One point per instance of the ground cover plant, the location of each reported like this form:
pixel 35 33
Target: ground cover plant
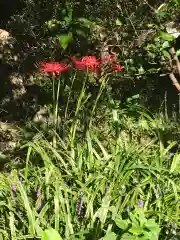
pixel 89 145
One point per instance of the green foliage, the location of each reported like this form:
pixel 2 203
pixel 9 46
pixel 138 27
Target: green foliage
pixel 108 153
pixel 138 227
pixel 166 36
pixel 65 39
pixel 50 234
pixel 112 171
pixel 70 26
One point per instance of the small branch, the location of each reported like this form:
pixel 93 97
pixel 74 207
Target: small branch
pixel 173 51
pixel 174 81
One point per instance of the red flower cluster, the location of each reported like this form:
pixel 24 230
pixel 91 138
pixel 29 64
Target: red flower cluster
pixel 90 63
pixel 117 68
pixel 112 61
pixel 109 59
pixel 54 67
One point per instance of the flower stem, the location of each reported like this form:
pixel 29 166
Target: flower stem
pixel 80 102
pixel 55 109
pixel 102 87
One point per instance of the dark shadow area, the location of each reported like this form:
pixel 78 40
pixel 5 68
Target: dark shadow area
pixel 34 43
pixel 7 9
pixel 155 92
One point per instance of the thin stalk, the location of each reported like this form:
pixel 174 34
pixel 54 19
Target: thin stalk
pixel 67 105
pixel 27 162
pixel 55 108
pixel 53 87
pixel 102 87
pixel 57 103
pixel 79 105
pixel 81 96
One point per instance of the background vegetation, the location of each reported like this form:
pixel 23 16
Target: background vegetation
pixel 107 165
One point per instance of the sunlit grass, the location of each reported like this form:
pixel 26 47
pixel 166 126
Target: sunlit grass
pixel 95 173
pixel 85 185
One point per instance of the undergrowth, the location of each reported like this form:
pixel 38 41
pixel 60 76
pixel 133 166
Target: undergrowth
pixel 83 185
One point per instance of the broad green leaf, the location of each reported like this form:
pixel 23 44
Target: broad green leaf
pixel 151 235
pixel 51 234
pixel 68 18
pixel 150 25
pixel 166 36
pixel 141 70
pixel 175 163
pixel 133 219
pixel 122 224
pixel 110 236
pixel 166 44
pixel 154 228
pixel 166 54
pixel 80 32
pixel 142 219
pixel 135 230
pixel 126 236
pixel 86 22
pixel 65 39
pixel 154 70
pixel 178 53
pixel 163 14
pixel 118 22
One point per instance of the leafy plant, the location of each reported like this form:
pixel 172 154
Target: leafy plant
pixel 69 26
pixel 50 234
pixel 138 226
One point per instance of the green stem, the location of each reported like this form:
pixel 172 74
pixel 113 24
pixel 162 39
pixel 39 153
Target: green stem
pixel 55 108
pixel 79 105
pixel 102 87
pixel 67 105
pixel 57 103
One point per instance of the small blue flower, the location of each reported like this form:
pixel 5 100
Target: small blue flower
pixel 40 205
pixel 14 187
pixel 40 200
pixel 38 193
pixel 140 203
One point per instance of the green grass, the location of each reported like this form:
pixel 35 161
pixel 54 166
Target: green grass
pixel 108 171
pixel 109 158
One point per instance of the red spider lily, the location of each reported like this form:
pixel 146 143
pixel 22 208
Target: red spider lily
pixel 54 67
pixel 117 68
pixel 90 63
pixel 112 60
pixel 109 59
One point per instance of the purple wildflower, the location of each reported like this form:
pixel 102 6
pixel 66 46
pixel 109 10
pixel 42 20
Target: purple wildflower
pixel 40 205
pixel 79 205
pixel 14 187
pixel 38 193
pixel 40 200
pixel 140 203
